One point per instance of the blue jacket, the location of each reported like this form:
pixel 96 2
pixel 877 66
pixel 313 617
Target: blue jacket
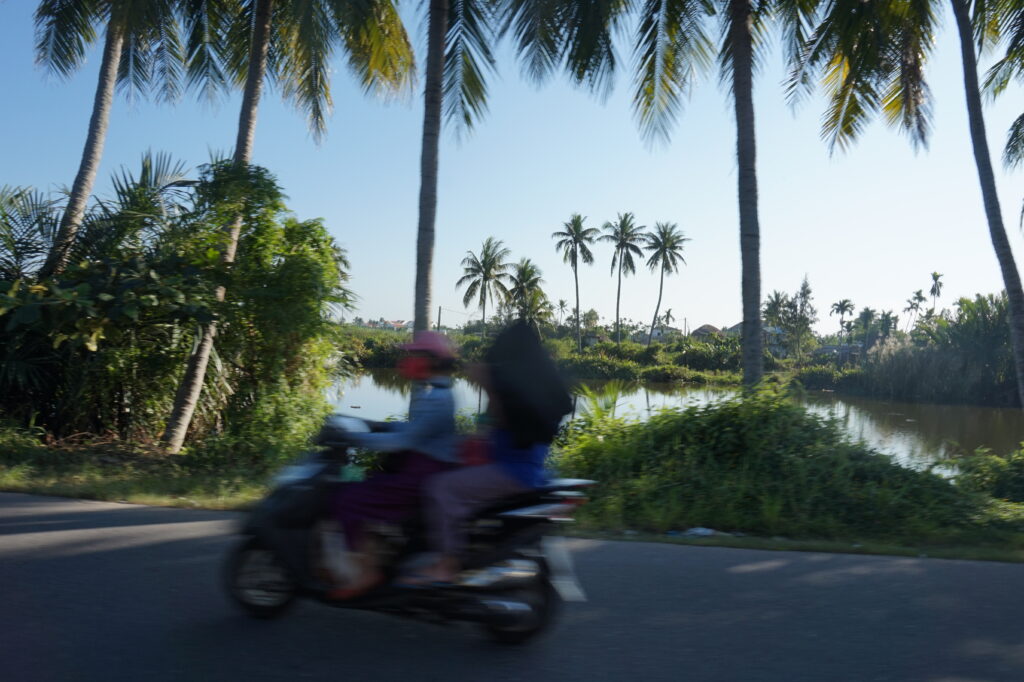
pixel 430 428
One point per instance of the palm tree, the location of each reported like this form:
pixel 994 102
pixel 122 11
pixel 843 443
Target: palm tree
pixel 523 281
pixel 626 237
pixel 936 289
pixel 485 276
pixel 913 307
pixel 459 39
pixel 775 308
pixel 535 309
pixel 293 43
pixel 874 59
pixel 842 308
pixel 866 318
pixel 141 50
pixel 562 306
pixel 574 242
pixel 887 322
pixel 848 328
pixel 666 320
pixel 665 245
pixel 672 46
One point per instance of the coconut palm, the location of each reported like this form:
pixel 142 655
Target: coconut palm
pixel 886 323
pixel 485 276
pixel 665 244
pixel 562 307
pixel 141 52
pixel 534 309
pixel 866 319
pixel 874 54
pixel 913 307
pixel 775 308
pixel 574 242
pixel 626 237
pixel 292 43
pixel 524 279
pixel 666 320
pixel 842 308
pixel 459 40
pixel 936 289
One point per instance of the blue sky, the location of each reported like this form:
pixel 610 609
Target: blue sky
pixel 869 224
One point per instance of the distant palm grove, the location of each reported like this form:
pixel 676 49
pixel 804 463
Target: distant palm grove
pixel 189 308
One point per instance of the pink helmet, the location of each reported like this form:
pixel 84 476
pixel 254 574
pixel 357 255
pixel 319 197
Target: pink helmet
pixel 433 343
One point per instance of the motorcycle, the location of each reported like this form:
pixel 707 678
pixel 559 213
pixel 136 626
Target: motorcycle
pixel 516 571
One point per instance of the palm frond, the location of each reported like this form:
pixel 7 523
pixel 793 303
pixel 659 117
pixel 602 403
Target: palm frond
pixel 28 225
pixel 1013 153
pixel 306 36
pixel 64 28
pixel 672 47
pixel 468 60
pixel 589 50
pixel 378 47
pixel 205 25
pixel 538 33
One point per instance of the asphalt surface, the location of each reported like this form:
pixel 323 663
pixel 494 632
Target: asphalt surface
pixel 96 591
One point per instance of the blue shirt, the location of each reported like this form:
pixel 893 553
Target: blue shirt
pixel 430 429
pixel 526 465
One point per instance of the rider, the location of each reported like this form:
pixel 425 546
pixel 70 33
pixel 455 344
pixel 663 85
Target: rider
pixel 424 445
pixel 527 400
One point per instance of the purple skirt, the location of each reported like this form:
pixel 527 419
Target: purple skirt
pixel 385 497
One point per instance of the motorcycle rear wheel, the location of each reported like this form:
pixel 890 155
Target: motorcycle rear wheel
pixel 258 581
pixel 544 602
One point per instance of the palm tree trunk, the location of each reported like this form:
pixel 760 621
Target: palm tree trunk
pixel 88 167
pixel 437 27
pixel 1000 242
pixel 579 333
pixel 661 286
pixel 483 318
pixel 746 149
pixel 618 297
pixel 191 386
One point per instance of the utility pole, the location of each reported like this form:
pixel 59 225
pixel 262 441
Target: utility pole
pixel 438 318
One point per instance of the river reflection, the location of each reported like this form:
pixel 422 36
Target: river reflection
pixel 915 434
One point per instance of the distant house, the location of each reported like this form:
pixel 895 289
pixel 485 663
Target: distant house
pixel 706 331
pixel 592 338
pixel 773 338
pixel 842 353
pixel 664 332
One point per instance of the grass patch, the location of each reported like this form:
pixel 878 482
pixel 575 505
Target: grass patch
pixel 113 472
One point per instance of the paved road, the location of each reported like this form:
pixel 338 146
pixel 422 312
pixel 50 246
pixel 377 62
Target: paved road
pixel 94 591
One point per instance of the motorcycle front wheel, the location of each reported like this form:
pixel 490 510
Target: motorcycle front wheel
pixel 258 581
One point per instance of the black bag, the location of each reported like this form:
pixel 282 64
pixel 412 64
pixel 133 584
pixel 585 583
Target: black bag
pixel 533 395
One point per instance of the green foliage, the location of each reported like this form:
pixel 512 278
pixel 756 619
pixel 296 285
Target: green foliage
pixel 959 357
pixel 826 377
pixel 988 473
pixel 99 350
pixel 760 465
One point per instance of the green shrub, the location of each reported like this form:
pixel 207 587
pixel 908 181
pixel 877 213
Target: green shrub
pixel 598 367
pixel 985 472
pixel 759 465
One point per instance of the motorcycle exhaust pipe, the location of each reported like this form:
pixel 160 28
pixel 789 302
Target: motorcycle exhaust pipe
pixel 505 575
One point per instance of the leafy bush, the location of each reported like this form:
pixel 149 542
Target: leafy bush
pixel 985 472
pixel 598 367
pixel 100 348
pixel 761 465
